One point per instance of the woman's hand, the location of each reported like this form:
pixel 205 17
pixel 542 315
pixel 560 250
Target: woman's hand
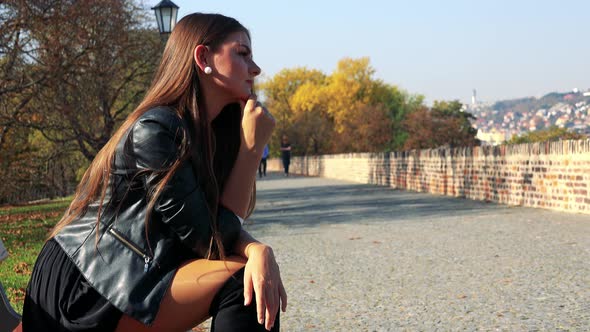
pixel 262 276
pixel 257 125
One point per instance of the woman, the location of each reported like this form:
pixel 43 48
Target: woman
pixel 152 240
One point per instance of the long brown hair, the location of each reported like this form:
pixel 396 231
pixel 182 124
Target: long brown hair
pixel 212 148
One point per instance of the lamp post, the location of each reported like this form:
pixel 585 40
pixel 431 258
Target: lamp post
pixel 166 12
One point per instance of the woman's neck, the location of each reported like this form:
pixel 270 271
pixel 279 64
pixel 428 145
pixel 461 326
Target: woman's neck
pixel 213 102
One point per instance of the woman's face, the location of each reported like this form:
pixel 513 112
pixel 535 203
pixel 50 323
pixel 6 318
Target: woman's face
pixel 234 68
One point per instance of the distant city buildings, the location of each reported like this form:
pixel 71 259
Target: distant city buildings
pixel 498 122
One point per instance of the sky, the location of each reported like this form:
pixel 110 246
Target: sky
pixel 503 49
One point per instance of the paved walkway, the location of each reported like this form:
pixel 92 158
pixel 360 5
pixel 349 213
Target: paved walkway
pixel 366 258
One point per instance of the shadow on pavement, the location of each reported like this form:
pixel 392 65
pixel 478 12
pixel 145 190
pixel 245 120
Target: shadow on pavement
pixel 305 201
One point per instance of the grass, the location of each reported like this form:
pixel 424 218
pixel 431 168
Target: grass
pixel 45 206
pixel 23 230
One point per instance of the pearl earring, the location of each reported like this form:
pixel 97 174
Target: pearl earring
pixel 208 70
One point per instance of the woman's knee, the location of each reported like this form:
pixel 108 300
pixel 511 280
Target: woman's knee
pixel 189 297
pixel 198 281
pixel 229 312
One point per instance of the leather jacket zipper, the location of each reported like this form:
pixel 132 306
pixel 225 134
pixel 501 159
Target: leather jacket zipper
pixel 146 258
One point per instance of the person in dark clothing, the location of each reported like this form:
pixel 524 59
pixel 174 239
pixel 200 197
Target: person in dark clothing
pixel 153 239
pixel 286 154
pixel 262 166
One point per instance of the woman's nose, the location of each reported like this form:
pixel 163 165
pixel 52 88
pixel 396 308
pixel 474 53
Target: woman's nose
pixel 254 69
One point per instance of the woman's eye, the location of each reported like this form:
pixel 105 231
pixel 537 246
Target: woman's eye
pixel 244 53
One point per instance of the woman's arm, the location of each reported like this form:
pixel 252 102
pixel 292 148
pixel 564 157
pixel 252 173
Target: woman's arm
pixel 238 188
pixel 261 274
pixel 257 126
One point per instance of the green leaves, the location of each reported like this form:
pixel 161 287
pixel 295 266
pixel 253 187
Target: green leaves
pixel 551 134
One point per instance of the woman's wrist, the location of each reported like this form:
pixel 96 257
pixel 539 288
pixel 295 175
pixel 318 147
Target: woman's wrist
pixel 252 154
pixel 254 247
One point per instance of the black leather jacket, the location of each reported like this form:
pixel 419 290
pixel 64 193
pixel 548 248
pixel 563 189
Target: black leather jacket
pixel 132 269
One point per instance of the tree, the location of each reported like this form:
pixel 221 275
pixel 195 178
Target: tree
pixel 347 111
pixel 18 78
pixel 420 130
pixel 70 71
pixel 311 127
pixel 95 72
pixel 550 134
pixel 349 88
pixel 444 124
pixel 454 125
pixel 367 130
pixel 398 104
pixel 279 92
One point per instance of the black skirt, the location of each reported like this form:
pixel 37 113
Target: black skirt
pixel 59 298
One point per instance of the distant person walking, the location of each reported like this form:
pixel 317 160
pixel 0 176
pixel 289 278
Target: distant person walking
pixel 262 166
pixel 286 153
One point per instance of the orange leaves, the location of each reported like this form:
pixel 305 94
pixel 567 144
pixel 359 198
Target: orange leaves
pixel 16 294
pixel 22 268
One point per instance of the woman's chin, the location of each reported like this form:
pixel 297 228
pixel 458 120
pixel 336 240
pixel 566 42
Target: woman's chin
pixel 244 96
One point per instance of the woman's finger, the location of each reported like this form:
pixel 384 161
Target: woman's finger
pixel 271 308
pixel 260 301
pixel 248 104
pixel 269 319
pixel 247 287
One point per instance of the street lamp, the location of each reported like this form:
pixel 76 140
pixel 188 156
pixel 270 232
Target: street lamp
pixel 166 12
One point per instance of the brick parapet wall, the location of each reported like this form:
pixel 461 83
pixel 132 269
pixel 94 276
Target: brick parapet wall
pixel 553 175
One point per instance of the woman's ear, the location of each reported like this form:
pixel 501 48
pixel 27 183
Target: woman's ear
pixel 200 56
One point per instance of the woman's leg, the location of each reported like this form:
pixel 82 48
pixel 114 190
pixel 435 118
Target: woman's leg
pixel 230 314
pixel 187 302
pixel 285 166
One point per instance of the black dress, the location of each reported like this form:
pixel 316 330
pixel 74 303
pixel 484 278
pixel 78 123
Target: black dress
pixel 73 305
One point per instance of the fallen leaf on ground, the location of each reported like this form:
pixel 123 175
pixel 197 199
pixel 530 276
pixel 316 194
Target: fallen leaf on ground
pixel 22 268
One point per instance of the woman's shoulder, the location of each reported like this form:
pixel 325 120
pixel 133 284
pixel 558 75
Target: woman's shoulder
pixel 164 116
pixel 156 137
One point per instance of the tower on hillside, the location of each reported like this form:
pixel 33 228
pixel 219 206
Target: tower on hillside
pixel 474 98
